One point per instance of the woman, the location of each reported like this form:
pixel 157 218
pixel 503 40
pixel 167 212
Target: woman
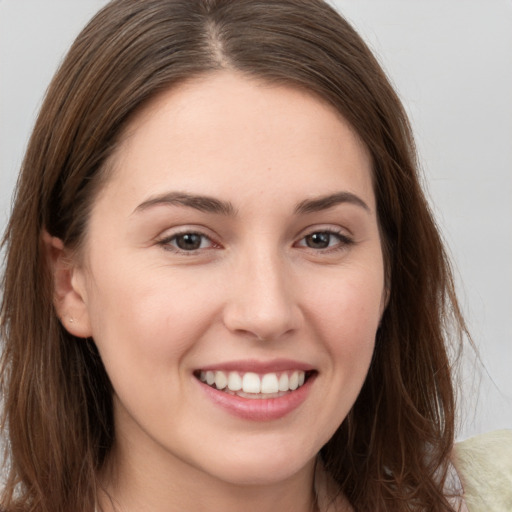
pixel 224 288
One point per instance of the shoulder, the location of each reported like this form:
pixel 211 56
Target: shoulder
pixel 484 465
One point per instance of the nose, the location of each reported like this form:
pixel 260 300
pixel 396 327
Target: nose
pixel 262 302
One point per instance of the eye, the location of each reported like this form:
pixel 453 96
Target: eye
pixel 187 242
pixel 320 240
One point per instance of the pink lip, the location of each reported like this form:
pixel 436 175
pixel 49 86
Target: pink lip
pixel 253 365
pixel 259 409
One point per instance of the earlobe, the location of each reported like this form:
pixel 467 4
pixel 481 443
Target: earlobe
pixel 69 292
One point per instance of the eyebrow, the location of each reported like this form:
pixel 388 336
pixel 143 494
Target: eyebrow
pixel 325 202
pixel 212 205
pixel 201 203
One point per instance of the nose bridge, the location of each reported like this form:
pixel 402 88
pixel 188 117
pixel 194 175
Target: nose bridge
pixel 262 300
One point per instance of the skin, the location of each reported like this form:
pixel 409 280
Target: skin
pixel 254 289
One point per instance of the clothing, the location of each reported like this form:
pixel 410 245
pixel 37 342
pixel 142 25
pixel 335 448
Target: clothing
pixel 484 465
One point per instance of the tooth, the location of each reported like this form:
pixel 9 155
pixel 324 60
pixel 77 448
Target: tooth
pixel 283 382
pixel 210 378
pixel 269 383
pixel 221 381
pixel 234 381
pixel 294 380
pixel 251 383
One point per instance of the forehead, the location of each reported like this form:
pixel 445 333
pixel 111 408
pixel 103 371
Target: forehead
pixel 226 129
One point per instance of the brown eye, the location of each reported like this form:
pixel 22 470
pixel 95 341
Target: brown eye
pixel 188 241
pixel 325 240
pixel 320 240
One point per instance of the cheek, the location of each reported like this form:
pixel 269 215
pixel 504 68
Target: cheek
pixel 346 316
pixel 144 329
pixel 145 319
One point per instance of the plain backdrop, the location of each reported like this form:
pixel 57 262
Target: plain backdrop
pixel 451 62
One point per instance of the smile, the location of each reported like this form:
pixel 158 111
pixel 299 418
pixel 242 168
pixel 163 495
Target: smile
pixel 259 391
pixel 254 385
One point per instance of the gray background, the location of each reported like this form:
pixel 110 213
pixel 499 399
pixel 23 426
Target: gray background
pixel 451 62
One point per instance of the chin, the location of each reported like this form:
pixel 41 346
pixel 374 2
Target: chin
pixel 261 467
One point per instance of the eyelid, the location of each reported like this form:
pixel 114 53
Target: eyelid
pixel 326 228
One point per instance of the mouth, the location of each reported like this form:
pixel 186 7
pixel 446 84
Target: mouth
pixel 254 385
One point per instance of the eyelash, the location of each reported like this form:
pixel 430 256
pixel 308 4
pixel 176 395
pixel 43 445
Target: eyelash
pixel 343 242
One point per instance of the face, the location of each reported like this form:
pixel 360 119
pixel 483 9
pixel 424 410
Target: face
pixel 235 246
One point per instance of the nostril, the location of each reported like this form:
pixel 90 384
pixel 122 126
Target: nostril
pixel 263 328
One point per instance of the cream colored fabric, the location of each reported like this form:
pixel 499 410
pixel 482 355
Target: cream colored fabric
pixel 484 465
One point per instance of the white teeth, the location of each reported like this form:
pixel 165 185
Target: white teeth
pixel 234 381
pixel 293 383
pixel 210 378
pixel 221 381
pixel 269 383
pixel 251 383
pixel 283 382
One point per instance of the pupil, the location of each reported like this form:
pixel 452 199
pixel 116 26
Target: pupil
pixel 189 241
pixel 318 240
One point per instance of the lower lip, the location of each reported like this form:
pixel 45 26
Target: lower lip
pixel 259 409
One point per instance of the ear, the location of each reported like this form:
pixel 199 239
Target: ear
pixel 69 291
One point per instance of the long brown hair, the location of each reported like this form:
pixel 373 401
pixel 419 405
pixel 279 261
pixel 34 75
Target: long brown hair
pixel 392 451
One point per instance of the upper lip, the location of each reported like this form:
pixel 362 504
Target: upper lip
pixel 256 366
